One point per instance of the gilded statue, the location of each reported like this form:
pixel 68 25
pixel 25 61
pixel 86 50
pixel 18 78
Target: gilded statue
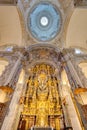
pixel 42 98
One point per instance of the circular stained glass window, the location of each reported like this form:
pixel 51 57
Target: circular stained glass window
pixel 44 22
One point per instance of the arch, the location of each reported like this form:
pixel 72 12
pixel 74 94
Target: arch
pixel 49 46
pixel 43 61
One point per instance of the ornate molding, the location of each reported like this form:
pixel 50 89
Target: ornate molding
pixel 26 6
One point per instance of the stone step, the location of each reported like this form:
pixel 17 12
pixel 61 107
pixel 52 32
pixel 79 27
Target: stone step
pixel 41 128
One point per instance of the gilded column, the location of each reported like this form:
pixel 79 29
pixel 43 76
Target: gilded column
pixel 57 122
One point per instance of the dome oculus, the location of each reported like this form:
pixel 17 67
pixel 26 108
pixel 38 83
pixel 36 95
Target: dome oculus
pixel 44 22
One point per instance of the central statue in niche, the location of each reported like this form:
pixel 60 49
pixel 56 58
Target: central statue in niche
pixel 42 101
pixel 42 95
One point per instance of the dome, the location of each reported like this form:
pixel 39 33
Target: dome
pixel 44 22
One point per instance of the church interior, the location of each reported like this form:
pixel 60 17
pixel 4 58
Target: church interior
pixel 43 64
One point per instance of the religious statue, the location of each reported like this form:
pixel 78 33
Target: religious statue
pixel 42 99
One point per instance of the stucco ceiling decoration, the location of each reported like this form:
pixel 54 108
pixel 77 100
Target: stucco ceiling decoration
pixel 44 21
pixel 40 53
pixel 26 7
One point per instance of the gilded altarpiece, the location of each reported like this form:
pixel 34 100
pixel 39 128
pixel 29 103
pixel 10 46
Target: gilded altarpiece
pixel 42 108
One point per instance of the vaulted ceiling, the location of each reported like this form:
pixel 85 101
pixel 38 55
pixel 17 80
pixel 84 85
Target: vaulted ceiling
pixel 13 26
pixel 77 29
pixel 14 29
pixel 10 27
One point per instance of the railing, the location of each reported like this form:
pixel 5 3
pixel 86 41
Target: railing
pixel 8 2
pixel 80 2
